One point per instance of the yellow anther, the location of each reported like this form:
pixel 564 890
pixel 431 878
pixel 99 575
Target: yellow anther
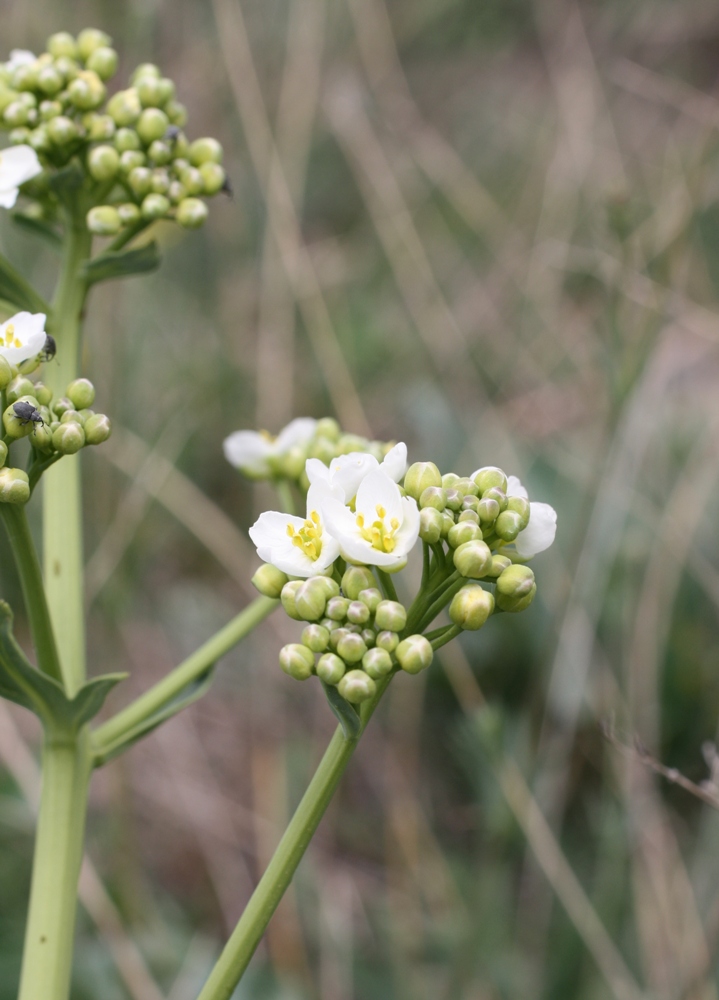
pixel 394 524
pixel 290 530
pixel 315 517
pixel 360 521
pixel 381 512
pixel 309 537
pixel 267 436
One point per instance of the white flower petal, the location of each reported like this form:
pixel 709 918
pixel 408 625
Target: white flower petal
pixel 20 57
pixel 395 462
pixel 27 338
pixel 317 471
pixel 17 165
pixel 297 432
pixel 539 533
pixel 348 471
pixel 515 488
pixel 248 451
pixel 9 197
pixel 378 490
pixel 409 530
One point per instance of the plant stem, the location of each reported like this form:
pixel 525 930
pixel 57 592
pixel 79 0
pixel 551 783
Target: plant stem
pixel 28 567
pixel 49 935
pixel 387 585
pixel 284 494
pixel 62 502
pixel 178 679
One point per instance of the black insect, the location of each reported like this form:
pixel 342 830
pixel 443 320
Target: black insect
pixel 49 350
pixel 172 133
pixel 227 188
pixel 26 414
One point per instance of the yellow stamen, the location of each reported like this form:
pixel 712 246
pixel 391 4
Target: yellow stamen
pixel 309 537
pixel 377 534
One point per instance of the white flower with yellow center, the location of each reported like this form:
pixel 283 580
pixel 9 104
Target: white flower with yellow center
pixel 539 533
pixel 298 546
pixel 259 454
pixel 22 337
pixel 20 57
pixel 17 165
pixel 348 471
pixel 383 527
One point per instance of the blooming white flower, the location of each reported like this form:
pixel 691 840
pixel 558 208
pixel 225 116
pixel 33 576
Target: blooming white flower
pixel 20 57
pixel 348 471
pixel 539 533
pixel 22 337
pixel 17 165
pixel 258 454
pixel 383 527
pixel 298 546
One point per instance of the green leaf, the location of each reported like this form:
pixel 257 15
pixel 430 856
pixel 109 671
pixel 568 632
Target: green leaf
pixel 345 712
pixel 122 264
pixel 193 692
pixel 38 227
pixel 17 291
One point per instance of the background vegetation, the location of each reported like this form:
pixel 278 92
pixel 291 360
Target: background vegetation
pixel 491 230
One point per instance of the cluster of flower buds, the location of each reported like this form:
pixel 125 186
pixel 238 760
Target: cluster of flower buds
pixel 131 145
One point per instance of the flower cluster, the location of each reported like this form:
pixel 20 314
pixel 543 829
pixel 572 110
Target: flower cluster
pixel 334 568
pixel 53 429
pixel 131 147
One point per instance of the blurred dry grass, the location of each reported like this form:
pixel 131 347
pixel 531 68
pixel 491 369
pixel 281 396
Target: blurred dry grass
pixel 492 231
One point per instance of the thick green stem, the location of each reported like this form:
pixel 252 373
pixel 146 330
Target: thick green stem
pixel 28 567
pixel 62 501
pixel 47 956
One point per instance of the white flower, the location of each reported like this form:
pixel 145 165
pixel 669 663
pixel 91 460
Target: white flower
pixel 20 57
pixel 22 337
pixel 539 533
pixel 258 454
pixel 17 165
pixel 383 527
pixel 298 546
pixel 348 471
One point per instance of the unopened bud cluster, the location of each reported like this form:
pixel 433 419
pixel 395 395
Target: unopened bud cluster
pixel 132 144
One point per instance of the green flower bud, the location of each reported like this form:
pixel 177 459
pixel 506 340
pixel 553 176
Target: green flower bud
pixel 467 487
pixel 91 39
pixel 390 616
pixel 6 374
pixel 61 405
pixel 7 96
pixel 370 597
pixel 447 522
pixel 14 486
pixel 192 180
pixel 43 394
pixel 127 138
pixel 377 663
pixel 130 160
pixel 49 80
pixel 160 152
pixel 50 109
pixel 62 44
pixel 520 505
pixel 100 128
pixel 351 647
pixel 488 510
pixel 3 453
pixel 205 151
pixel 124 107
pixel 316 638
pixel 337 608
pixel 420 476
pixel 387 640
pixel 145 69
pixel 103 221
pixel 103 61
pixel 152 125
pixel 268 579
pixel 357 579
pixel 471 607
pixel 129 212
pixel 468 516
pixel 191 213
pixel 337 634
pixel 515 581
pixel 28 366
pixel 462 532
pixel 357 687
pixel 297 661
pixel 16 114
pixel 14 426
pixel 311 599
pixel 454 498
pixel 488 477
pixel 330 668
pixel 103 163
pixel 61 130
pixel 68 66
pixel 329 428
pixel 508 525
pixel 40 140
pixel 430 525
pixel 154 206
pixel 86 91
pixel 470 502
pixel 167 90
pixel 25 77
pixel 213 177
pixel 20 136
pixel 450 480
pixel 177 113
pixel 19 387
pixel 150 91
pixel 140 180
pixel 41 438
pixel 287 596
pixel 499 564
pixel 176 192
pixel 358 613
pixel 369 637
pixel 515 604
pixel 68 438
pixel 97 427
pixel 71 415
pixel 160 181
pixel 433 496
pixel 494 493
pixel 473 559
pixel 414 654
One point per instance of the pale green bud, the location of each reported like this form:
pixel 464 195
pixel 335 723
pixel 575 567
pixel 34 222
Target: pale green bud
pixel 150 90
pixel 470 502
pixel 337 608
pixel 514 604
pixel 288 595
pixel 14 486
pixel 61 130
pixel 3 453
pixel 152 125
pixel 330 668
pixel 377 663
pixel 471 607
pixel 450 480
pixel 127 138
pixel 369 636
pixel 71 415
pixel 103 220
pixel 130 160
pixel 329 428
pixel 488 477
pixel 86 91
pixel 167 90
pixel 473 559
pixel 268 579
pixel 61 405
pixel 154 206
pixel 499 564
pixel 358 613
pixel 50 109
pixel 68 66
pixel 430 525
pixel 356 686
pixel 205 151
pixel 316 638
pixel 414 654
pixel 191 213
pixel 468 516
pixel 331 587
pixel 488 510
pixel 192 180
pixel 520 505
pixel 20 136
pixel 454 499
pixel 42 437
pixel 447 522
pixel 336 635
pixel 515 581
pixel 100 128
pixel 462 532
pixel 40 140
pixel 420 476
pixel 140 180
pixel 390 616
pixel 124 107
pixel 213 177
pixel 25 77
pixel 69 438
pixel 103 61
pixel 103 163
pixel 356 579
pixel 370 597
pixel 160 152
pixel 43 394
pixel 16 114
pixel 160 181
pixel 91 39
pixel 145 69
pixel 293 463
pixel 7 96
pixel 14 426
pixel 387 640
pixel 351 647
pixel 6 374
pixel 311 599
pixel 177 113
pixel 508 525
pixel 467 487
pixel 494 493
pixel 129 212
pixel 176 192
pixel 19 387
pixel 433 496
pixel 49 80
pixel 297 661
pixel 28 366
pixel 62 44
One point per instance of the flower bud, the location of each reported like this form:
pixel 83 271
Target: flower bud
pixel 514 604
pixel 103 221
pixel 154 206
pixel 68 438
pixel 356 579
pixel 124 107
pixel 103 163
pixel 390 616
pixel 205 151
pixel 62 44
pixel 86 91
pixel 471 607
pixel 16 114
pixel 311 599
pixel 462 532
pixel 145 69
pixel 470 502
pixel 268 579
pixel 177 113
pixel 5 373
pixel 60 130
pixel 454 499
pixel 15 427
pixel 447 522
pixel 81 393
pixel 337 634
pixel 414 654
pixel 337 608
pixel 73 415
pixel 129 213
pixel 191 213
pixel 488 477
pixel 152 124
pixel 431 523
pixel 369 637
pixel 297 661
pixel 351 647
pixel 14 486
pixel 3 453
pixel 51 109
pixel 287 596
pixel 358 613
pixel 100 128
pixel 387 640
pixel 192 180
pixel 499 564
pixel 377 663
pixel 467 487
pixel 508 525
pixel 61 405
pixel 488 510
pixel 356 686
pixel 450 480
pixel 330 668
pixel 127 139
pixel 494 493
pixel 316 638
pixel 473 559
pixel 140 180
pixel 470 516
pixel 149 90
pixel 91 39
pixel 49 80
pixel 103 61
pixel 515 581
pixel 370 597
pixel 130 160
pixel 520 505
pixel 20 136
pixel 41 438
pixel 329 428
pixel 433 497
pixel 19 387
pixel 160 152
pixel 419 477
pixel 213 178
